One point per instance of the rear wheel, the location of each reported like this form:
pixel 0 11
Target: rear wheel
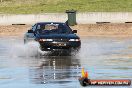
pixel 25 41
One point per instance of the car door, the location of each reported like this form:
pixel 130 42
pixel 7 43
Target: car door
pixel 30 36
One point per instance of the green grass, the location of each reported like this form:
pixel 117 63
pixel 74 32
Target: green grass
pixel 55 6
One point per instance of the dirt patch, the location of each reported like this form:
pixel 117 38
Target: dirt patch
pixel 121 30
pixel 14 30
pixel 118 30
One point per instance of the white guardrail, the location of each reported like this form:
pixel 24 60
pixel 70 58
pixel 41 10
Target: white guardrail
pixel 82 18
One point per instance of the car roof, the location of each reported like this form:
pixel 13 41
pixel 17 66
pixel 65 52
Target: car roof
pixel 50 23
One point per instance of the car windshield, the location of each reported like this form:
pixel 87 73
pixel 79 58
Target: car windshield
pixel 53 28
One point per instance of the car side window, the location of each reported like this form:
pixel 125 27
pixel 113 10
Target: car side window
pixel 34 27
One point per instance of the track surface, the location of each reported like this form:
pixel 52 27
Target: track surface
pixel 103 58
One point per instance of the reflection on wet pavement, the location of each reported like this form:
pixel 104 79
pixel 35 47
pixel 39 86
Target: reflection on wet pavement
pixel 104 58
pixel 55 69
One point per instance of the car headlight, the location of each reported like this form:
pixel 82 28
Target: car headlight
pixel 74 39
pixel 45 40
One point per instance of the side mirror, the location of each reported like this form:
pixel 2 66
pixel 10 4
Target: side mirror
pixel 74 31
pixel 30 31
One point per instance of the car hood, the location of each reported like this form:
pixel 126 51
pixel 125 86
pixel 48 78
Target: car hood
pixel 58 36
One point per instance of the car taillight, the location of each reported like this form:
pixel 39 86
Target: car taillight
pixel 45 40
pixel 74 39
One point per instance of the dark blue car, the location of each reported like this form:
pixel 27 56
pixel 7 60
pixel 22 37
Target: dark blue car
pixel 53 36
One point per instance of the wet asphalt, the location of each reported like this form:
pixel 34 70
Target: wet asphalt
pixel 103 58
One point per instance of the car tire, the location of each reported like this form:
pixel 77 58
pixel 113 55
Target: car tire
pixel 25 41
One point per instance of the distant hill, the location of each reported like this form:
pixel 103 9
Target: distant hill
pixel 55 6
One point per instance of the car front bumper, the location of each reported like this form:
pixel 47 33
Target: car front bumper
pixel 59 45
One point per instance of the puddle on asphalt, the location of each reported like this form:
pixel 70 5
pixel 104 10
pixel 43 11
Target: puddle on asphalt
pixel 103 58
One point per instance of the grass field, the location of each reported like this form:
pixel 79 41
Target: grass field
pixel 54 6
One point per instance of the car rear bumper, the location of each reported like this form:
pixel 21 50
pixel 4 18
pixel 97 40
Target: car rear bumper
pixel 59 45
